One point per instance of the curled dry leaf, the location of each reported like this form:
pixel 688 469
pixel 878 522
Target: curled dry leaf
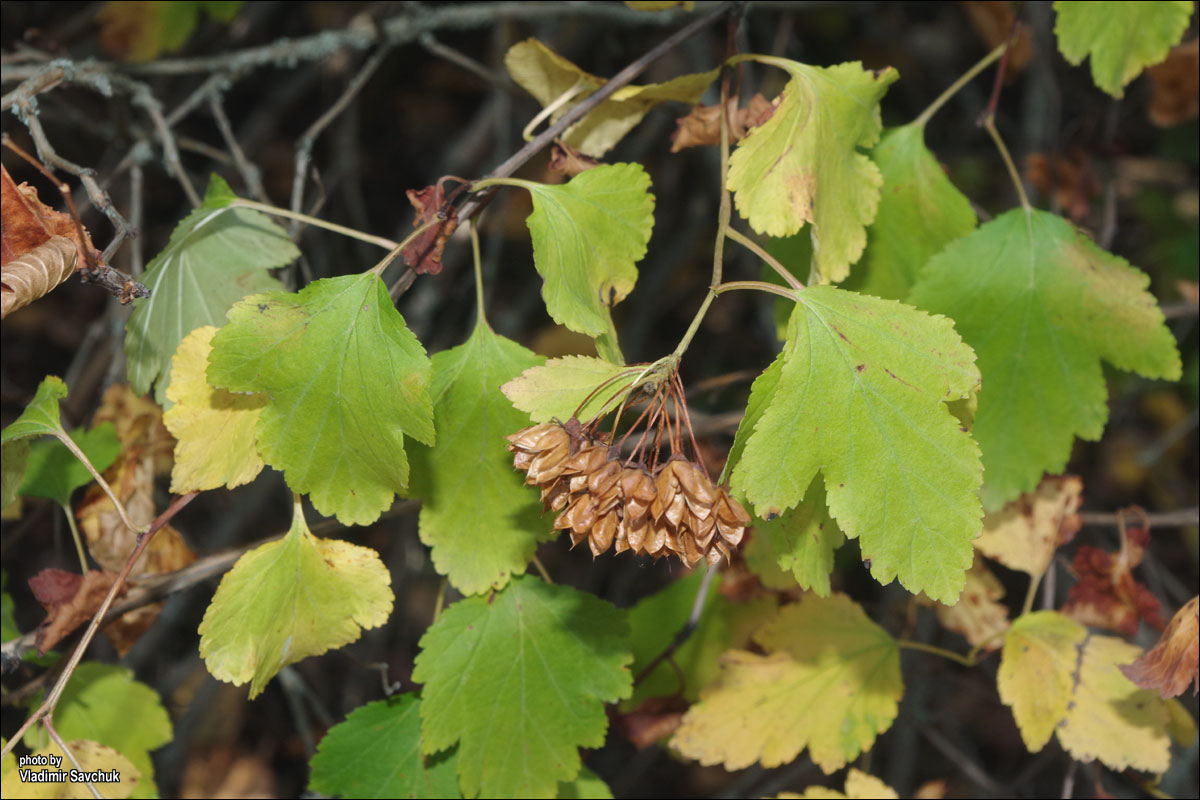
pixel 28 223
pixel 1025 533
pixel 139 424
pixel 70 599
pixel 1174 662
pixel 978 615
pixel 566 160
pixel 1176 86
pixel 702 125
pixel 424 254
pixel 34 274
pixel 1107 596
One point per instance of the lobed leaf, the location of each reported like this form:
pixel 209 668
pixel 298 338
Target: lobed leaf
pixel 858 394
pixel 560 387
pixel 346 380
pixel 830 676
pixel 289 599
pixel 41 415
pixel 519 680
pixel 477 515
pixel 1121 38
pixel 213 428
pixel 215 257
pixel 802 165
pixel 802 540
pixel 1042 305
pixel 588 235
pixel 376 753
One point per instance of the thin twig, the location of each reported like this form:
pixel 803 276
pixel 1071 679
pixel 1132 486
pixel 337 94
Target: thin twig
pixel 249 172
pixel 1180 518
pixel 62 745
pixel 688 629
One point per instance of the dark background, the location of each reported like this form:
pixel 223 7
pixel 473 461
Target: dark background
pixel 422 116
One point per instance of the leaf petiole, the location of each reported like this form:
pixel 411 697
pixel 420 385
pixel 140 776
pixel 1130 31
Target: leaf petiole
pixel 379 241
pixel 761 286
pixel 908 644
pixel 772 262
pixel 954 88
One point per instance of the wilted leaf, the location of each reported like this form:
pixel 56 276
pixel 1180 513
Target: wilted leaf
pixel 214 427
pixel 994 21
pixel 1042 305
pixel 424 254
pixel 1106 595
pixel 548 76
pixel 29 223
pixel 1121 38
pixel 561 387
pixel 1067 178
pixel 70 599
pixel 566 160
pixel 702 125
pixel 289 599
pixel 831 679
pixel 35 274
pixel 376 753
pixel 1025 533
pixel 803 165
pixel 1174 661
pixel 139 424
pixel 543 660
pixel 347 380
pixel 482 529
pixel 978 615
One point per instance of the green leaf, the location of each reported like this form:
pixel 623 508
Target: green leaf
pixel 215 257
pixel 860 397
pixel 802 165
pixel 346 379
pixel 548 76
pixel 13 457
pixel 41 415
pixel 586 786
pixel 920 212
pixel 519 679
pixel 802 540
pixel 289 599
pixel 588 235
pixel 55 473
pixel 476 512
pixel 830 681
pixel 1042 305
pixel 376 753
pixel 560 387
pixel 98 704
pixel 1121 38
pixel 8 620
pixel 656 620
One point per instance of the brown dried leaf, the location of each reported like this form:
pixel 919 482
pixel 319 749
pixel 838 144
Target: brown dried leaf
pixel 35 274
pixel 1176 86
pixel 566 160
pixel 652 721
pixel 139 425
pixel 1069 179
pixel 1107 596
pixel 1024 534
pixel 70 600
pixel 702 125
pixel 993 21
pixel 26 222
pixel 424 254
pixel 978 616
pixel 1174 662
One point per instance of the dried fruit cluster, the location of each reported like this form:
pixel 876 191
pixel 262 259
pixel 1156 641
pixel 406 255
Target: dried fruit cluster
pixel 671 509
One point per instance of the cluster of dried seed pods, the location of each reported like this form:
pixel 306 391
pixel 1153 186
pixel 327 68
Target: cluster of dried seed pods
pixel 672 508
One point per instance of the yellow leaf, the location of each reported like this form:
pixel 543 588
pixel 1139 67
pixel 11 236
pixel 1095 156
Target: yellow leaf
pixel 214 427
pixel 830 681
pixel 1025 533
pixel 1036 672
pixel 1111 719
pixel 113 775
pixel 549 77
pixel 1059 678
pixel 859 786
pixel 978 615
pixel 296 597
